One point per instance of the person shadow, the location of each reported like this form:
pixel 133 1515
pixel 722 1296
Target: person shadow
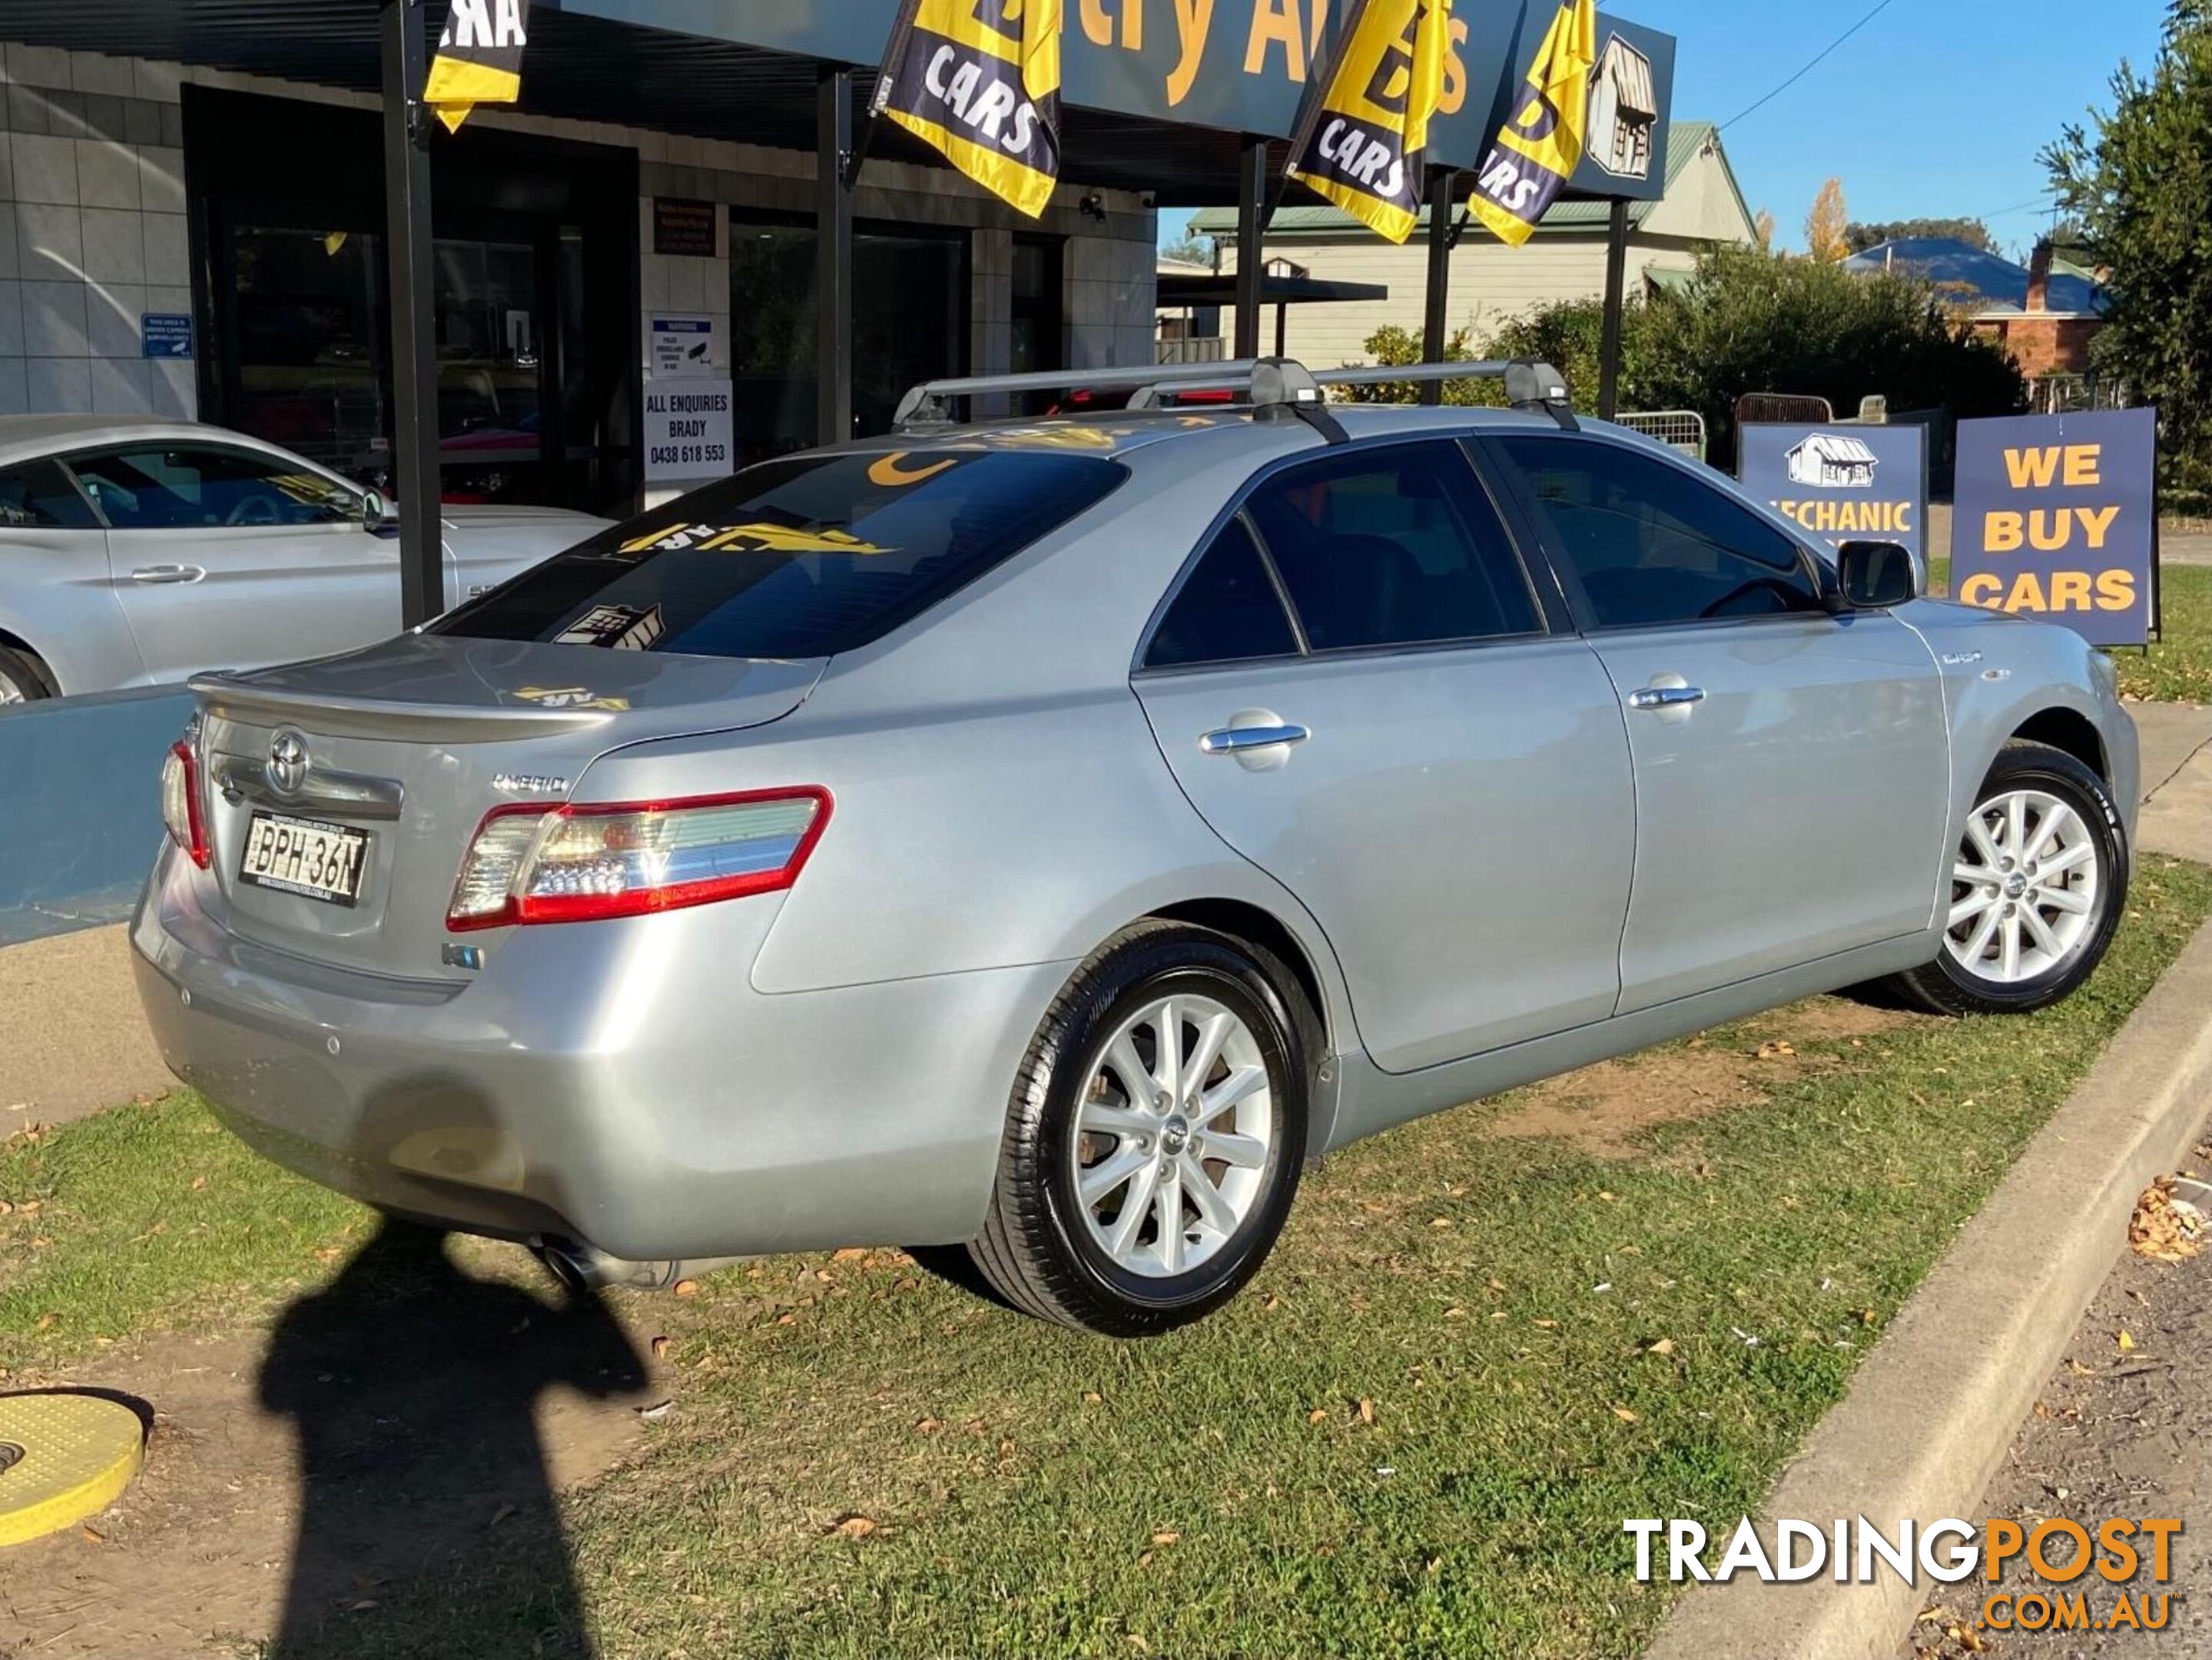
pixel 427 1516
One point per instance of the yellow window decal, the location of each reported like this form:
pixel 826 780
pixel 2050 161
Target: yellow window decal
pixel 885 470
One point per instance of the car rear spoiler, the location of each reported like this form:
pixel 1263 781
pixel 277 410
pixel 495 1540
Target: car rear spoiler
pixel 342 717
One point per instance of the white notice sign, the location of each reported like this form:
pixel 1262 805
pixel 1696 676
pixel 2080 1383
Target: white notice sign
pixel 687 429
pixel 684 343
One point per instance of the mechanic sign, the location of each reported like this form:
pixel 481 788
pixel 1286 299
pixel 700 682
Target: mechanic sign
pixel 2057 518
pixel 1843 483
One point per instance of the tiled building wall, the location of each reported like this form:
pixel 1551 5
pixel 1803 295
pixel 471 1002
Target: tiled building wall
pixel 92 229
pixel 91 233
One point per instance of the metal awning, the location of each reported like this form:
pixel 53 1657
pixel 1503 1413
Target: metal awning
pixel 1176 289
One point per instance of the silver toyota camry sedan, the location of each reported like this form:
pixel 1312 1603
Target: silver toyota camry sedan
pixel 1043 837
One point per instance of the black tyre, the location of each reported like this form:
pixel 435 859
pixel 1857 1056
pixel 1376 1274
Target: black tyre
pixel 23 677
pixel 1155 1135
pixel 2039 882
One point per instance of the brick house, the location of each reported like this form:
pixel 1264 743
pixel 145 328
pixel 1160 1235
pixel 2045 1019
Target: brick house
pixel 2045 313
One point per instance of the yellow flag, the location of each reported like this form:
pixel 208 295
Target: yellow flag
pixel 1361 149
pixel 479 58
pixel 989 101
pixel 1539 146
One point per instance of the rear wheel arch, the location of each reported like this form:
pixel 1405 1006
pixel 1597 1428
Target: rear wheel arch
pixel 2070 731
pixel 1255 925
pixel 16 646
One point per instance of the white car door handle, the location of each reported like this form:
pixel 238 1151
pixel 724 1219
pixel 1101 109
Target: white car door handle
pixel 1666 697
pixel 1233 741
pixel 150 574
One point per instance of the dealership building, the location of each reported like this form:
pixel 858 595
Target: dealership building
pixel 235 210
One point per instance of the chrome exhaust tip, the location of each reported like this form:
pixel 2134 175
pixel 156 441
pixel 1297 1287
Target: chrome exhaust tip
pixel 580 1267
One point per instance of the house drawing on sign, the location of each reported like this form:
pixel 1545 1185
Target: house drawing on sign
pixel 1831 460
pixel 1624 111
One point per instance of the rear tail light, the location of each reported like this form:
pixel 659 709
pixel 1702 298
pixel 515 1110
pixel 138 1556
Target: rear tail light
pixel 180 803
pixel 575 864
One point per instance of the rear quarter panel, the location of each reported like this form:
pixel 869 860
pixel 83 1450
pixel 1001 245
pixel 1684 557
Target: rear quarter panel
pixel 57 596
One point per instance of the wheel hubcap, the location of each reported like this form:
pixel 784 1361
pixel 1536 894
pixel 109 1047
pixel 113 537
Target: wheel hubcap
pixel 1173 1134
pixel 2024 888
pixel 9 691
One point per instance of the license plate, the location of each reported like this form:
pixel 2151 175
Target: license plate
pixel 307 856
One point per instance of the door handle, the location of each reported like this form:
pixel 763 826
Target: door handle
pixel 1666 697
pixel 1240 740
pixel 152 574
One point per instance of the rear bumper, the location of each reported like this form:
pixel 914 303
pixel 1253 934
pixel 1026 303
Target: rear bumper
pixel 619 1084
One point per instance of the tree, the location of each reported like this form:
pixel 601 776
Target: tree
pixel 2135 182
pixel 1762 230
pixel 1197 250
pixel 1973 232
pixel 1825 226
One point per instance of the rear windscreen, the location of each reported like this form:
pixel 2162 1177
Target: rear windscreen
pixel 799 557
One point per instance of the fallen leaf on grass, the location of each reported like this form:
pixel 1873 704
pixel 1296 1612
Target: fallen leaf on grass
pixel 47 1319
pixel 1454 1314
pixel 849 1253
pixel 1366 1410
pixel 853 1526
pixel 1659 1345
pixel 1092 1398
pixel 92 1536
pixel 659 1346
pixel 1167 1536
pixel 686 1288
pixel 2127 1342
pixel 1624 1415
pixel 1773 1051
pixel 929 1425
pixel 1318 1415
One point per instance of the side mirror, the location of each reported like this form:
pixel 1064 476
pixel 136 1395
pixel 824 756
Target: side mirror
pixel 1874 575
pixel 374 509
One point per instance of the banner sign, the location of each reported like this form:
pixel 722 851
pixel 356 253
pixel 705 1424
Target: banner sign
pixel 479 58
pixel 1843 483
pixel 2056 517
pixel 988 102
pixel 687 430
pixel 684 226
pixel 1540 146
pixel 1244 65
pixel 1362 146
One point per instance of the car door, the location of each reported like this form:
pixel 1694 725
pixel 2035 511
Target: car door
pixel 1357 686
pixel 55 596
pixel 1792 765
pixel 227 557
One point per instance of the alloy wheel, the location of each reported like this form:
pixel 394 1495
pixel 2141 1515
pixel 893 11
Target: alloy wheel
pixel 1173 1134
pixel 2025 888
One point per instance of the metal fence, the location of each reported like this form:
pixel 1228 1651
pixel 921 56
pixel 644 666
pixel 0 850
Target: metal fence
pixel 1681 429
pixel 1190 348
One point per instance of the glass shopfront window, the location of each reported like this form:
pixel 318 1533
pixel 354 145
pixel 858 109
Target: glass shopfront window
pixel 909 323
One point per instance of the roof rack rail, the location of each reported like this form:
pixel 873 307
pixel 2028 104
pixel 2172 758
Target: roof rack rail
pixel 1281 385
pixel 930 403
pixel 1529 385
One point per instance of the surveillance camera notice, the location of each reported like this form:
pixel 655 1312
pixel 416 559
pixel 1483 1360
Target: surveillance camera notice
pixel 687 430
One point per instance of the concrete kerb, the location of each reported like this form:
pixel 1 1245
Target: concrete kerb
pixel 1936 1405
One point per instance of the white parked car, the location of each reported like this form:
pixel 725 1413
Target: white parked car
pixel 134 553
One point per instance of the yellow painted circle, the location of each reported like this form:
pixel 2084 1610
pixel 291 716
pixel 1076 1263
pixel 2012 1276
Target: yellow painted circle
pixel 78 1454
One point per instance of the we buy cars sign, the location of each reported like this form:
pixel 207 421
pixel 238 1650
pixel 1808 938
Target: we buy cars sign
pixel 2056 516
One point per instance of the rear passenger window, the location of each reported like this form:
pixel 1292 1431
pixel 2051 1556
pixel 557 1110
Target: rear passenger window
pixel 38 495
pixel 1228 611
pixel 1393 548
pixel 1652 543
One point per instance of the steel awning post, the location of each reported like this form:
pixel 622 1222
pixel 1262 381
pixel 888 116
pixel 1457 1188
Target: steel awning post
pixel 833 257
pixel 414 317
pixel 1251 233
pixel 1616 284
pixel 1443 184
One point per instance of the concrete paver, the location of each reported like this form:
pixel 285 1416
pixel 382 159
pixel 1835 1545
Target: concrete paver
pixel 2177 779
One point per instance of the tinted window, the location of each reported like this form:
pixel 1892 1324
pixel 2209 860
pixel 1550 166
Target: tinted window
pixel 1393 548
pixel 1652 543
pixel 798 557
pixel 1227 612
pixel 175 487
pixel 39 495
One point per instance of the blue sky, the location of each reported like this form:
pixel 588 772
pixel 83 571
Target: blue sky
pixel 1937 108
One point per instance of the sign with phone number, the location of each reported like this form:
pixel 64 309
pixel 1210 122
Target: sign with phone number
pixel 688 431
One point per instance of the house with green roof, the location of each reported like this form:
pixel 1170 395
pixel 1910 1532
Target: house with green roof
pixel 1492 284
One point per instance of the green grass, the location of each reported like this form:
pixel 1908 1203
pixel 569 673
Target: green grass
pixel 2177 667
pixel 1036 1493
